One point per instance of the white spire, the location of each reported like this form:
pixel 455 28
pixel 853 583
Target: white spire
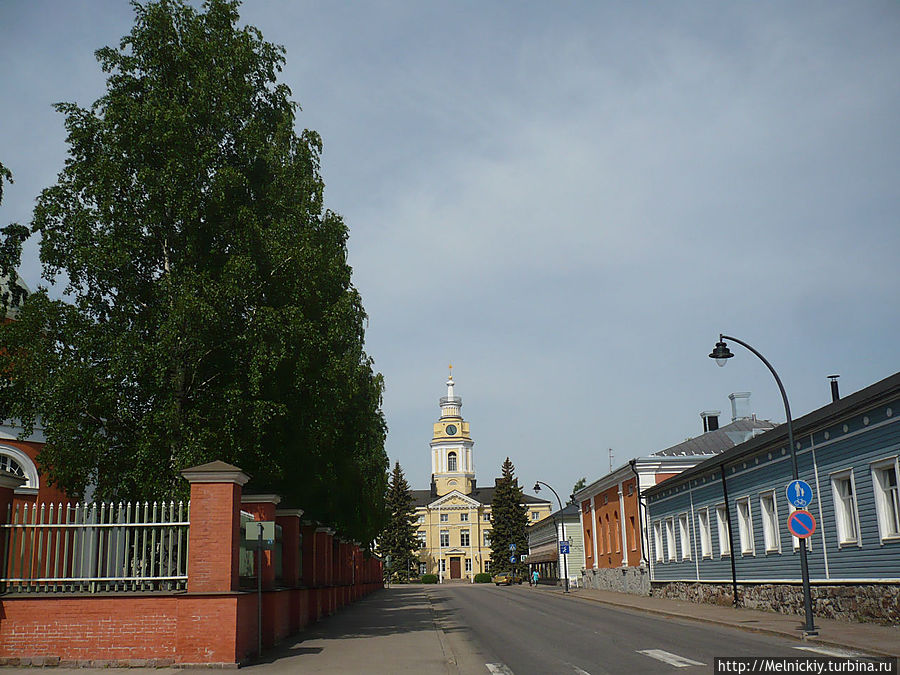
pixel 450 383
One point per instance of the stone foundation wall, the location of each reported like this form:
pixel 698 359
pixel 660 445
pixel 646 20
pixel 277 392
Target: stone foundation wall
pixel 876 603
pixel 634 580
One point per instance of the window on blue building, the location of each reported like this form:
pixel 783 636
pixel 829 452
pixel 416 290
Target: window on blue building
pixel 657 540
pixel 684 535
pixel 705 533
pixel 769 512
pixel 670 538
pixel 843 490
pixel 745 526
pixel 885 479
pixel 722 526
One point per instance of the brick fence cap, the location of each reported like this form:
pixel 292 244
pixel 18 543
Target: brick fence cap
pixel 10 480
pixel 267 498
pixel 215 472
pixel 289 512
pixel 326 530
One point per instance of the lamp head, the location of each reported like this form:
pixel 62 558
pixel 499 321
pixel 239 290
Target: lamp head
pixel 536 488
pixel 721 353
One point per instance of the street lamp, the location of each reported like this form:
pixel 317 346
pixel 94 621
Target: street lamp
pixel 537 488
pixel 721 354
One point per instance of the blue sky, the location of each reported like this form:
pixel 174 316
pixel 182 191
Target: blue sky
pixel 568 201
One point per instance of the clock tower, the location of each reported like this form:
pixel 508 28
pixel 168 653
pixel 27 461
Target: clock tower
pixel 452 464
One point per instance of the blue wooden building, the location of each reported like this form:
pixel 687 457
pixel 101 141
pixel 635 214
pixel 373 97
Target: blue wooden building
pixel 722 525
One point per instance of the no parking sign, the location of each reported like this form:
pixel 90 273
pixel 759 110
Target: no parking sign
pixel 801 524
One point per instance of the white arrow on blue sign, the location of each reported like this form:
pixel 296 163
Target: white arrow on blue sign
pixel 512 558
pixel 564 547
pixel 799 494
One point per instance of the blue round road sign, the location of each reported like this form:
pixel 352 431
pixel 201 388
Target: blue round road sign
pixel 801 524
pixel 799 494
pixel 512 558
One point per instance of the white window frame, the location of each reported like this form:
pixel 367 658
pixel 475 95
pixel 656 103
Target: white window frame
pixel 464 517
pixel 684 535
pixel 445 517
pixel 846 515
pixel 657 540
pixel 768 510
pixel 705 532
pixel 445 538
pixel 468 541
pixel 468 564
pixel 535 515
pixel 421 519
pixel 670 539
pixel 486 517
pixel 443 566
pixel 422 537
pixel 455 462
pixel 745 526
pixel 723 527
pixel 887 498
pixel 423 568
pixel 486 538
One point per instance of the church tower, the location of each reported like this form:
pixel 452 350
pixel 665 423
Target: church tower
pixel 452 463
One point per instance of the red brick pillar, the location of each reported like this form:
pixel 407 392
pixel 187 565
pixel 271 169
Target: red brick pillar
pixel 263 508
pixel 215 530
pixel 324 536
pixel 8 484
pixel 289 520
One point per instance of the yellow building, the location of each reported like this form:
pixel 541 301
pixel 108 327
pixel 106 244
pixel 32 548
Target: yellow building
pixel 454 517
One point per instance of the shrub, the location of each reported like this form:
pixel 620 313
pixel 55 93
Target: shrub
pixel 482 578
pixel 429 578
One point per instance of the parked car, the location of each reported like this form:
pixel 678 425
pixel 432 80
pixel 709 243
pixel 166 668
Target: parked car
pixel 507 578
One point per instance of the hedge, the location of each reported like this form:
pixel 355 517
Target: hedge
pixel 429 578
pixel 482 578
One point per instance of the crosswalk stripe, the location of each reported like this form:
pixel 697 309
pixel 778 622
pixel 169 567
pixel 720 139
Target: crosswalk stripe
pixel 829 652
pixel 670 658
pixel 579 671
pixel 499 668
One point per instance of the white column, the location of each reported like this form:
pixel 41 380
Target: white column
pixel 594 529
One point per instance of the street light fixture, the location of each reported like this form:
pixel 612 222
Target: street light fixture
pixel 721 354
pixel 537 488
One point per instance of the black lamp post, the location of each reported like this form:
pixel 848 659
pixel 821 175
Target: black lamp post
pixel 537 488
pixel 721 354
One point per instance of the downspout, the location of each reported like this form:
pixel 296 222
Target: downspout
pixel 734 590
pixel 637 485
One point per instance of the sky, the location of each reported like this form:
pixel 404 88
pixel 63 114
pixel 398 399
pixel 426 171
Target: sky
pixel 569 202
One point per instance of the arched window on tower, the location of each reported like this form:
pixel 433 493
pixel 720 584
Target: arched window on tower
pixel 451 461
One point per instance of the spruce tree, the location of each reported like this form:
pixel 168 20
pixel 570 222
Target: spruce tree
pixel 510 520
pixel 399 537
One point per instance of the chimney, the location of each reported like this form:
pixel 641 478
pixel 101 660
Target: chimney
pixel 835 394
pixel 740 405
pixel 710 420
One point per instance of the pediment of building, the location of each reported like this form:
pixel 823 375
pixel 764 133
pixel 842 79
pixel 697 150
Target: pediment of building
pixel 454 499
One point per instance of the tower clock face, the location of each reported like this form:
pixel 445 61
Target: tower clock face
pixel 451 429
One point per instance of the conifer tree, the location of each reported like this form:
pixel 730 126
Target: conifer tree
pixel 399 537
pixel 510 520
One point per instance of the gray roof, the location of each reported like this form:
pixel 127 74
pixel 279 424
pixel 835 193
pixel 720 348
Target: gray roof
pixel 860 400
pixel 479 494
pixel 720 440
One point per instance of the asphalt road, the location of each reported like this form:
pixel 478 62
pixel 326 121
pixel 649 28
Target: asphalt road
pixel 527 631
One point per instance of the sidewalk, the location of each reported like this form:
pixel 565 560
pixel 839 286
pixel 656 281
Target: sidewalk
pixel 870 638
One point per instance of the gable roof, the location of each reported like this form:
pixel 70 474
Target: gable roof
pixel 719 440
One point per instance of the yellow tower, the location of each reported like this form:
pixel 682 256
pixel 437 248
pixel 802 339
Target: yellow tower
pixel 452 463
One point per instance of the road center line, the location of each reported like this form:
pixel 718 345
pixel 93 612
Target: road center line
pixel 669 657
pixel 499 668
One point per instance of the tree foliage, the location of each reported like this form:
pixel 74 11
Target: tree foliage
pixel 579 484
pixel 398 540
pixel 510 522
pixel 208 308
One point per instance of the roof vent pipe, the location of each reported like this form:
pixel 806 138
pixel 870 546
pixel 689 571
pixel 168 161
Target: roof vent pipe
pixel 835 394
pixel 710 420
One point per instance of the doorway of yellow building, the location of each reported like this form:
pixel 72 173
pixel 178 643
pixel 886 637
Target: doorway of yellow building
pixel 455 568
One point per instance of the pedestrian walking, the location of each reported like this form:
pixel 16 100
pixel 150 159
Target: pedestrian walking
pixel 534 578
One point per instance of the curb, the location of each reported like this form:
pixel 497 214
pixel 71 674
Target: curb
pixel 744 627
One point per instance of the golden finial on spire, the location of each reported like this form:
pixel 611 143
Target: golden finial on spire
pixel 451 371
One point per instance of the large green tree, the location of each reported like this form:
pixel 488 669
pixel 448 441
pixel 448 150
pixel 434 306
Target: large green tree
pixel 509 516
pixel 208 310
pixel 398 540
